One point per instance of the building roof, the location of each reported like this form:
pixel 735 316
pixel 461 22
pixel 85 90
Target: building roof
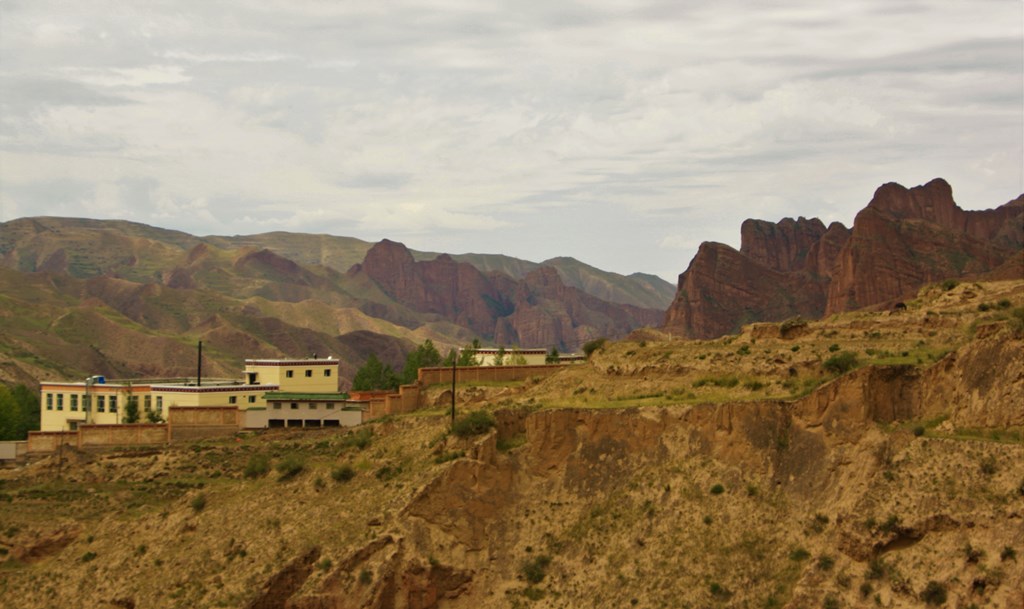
pixel 284 396
pixel 330 361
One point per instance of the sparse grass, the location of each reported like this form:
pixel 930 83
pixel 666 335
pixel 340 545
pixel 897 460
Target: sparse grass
pixel 290 467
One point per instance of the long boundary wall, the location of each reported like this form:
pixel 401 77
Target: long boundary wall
pixel 478 374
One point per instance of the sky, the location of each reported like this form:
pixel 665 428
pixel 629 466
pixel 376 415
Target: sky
pixel 620 133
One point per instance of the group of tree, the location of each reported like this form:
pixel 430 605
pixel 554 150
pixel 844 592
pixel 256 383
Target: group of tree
pixel 19 412
pixel 376 375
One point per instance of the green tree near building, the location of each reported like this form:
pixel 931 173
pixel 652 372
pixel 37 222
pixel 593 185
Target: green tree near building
pixel 375 375
pixel 19 412
pixel 552 357
pixel 466 357
pixel 131 409
pixel 499 357
pixel 424 356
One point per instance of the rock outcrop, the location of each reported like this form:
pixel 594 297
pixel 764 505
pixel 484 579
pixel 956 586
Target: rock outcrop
pixel 906 238
pixel 538 310
pixel 903 240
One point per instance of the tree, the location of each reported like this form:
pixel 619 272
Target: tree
pixel 499 357
pixel 516 359
pixel 552 357
pixel 131 409
pixel 375 375
pixel 19 412
pixel 424 356
pixel 466 356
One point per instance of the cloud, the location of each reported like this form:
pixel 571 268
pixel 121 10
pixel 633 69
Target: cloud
pixel 652 125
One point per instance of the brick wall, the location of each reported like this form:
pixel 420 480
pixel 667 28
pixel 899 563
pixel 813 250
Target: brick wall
pixel 477 374
pixel 141 434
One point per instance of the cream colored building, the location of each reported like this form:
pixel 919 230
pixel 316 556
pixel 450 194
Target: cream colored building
pixel 64 406
pixel 488 356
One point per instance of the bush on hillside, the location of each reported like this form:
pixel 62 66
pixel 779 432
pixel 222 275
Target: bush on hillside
pixel 473 424
pixel 841 363
pixel 257 467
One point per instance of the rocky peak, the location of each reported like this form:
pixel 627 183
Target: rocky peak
pixel 904 239
pixel 781 246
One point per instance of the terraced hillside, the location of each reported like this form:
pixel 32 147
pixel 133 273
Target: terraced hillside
pixel 765 469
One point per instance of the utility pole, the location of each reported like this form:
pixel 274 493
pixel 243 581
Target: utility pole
pixel 455 363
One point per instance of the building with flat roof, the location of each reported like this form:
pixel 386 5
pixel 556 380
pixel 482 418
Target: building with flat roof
pixel 307 386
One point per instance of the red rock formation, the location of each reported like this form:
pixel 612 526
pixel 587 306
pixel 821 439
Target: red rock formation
pixel 904 239
pixel 724 289
pixel 537 311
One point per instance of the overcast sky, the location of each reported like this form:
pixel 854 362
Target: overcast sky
pixel 621 133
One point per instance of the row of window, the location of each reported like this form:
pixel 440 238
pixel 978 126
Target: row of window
pixel 233 399
pixel 309 373
pixel 311 405
pixel 103 402
pixel 55 401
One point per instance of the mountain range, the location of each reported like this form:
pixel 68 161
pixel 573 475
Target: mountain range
pixel 112 297
pixel 123 299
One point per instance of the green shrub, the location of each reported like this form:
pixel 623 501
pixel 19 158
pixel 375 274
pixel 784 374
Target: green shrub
pixel 831 601
pixel 536 568
pixel 841 363
pixel 88 557
pixel 919 431
pixel 799 554
pixel 388 472
pixel 934 593
pixel 1004 303
pixel 289 467
pixel 257 467
pixel 753 385
pixel 1008 553
pixel 792 324
pixel 717 489
pixel 949 284
pixel 743 350
pixel 365 577
pixel 473 424
pixel 343 473
pixel 833 348
pixel 590 347
pixel 826 562
pixel 198 502
pixel 324 564
pixel 359 438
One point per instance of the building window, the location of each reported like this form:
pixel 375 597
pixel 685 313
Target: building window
pixel 113 403
pixel 148 403
pixel 74 401
pixel 49 401
pixel 252 399
pixel 295 406
pixel 101 403
pixel 312 405
pixel 232 399
pixel 277 405
pixel 159 403
pixel 60 401
pixel 289 373
pixel 329 406
pixel 309 373
pixel 327 372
